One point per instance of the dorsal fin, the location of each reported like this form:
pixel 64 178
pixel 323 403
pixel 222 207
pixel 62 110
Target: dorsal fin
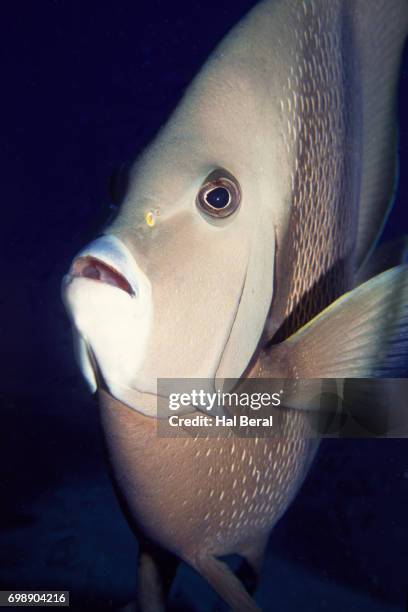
pixel 380 29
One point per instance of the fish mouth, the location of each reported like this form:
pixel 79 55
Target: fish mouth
pixel 96 269
pixel 109 301
pixel 107 261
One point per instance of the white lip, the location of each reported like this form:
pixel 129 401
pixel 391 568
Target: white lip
pixel 111 251
pixel 112 324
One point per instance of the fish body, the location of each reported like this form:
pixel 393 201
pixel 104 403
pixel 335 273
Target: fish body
pixel 286 118
pixel 205 497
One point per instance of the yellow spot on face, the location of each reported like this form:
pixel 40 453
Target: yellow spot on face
pixel 150 218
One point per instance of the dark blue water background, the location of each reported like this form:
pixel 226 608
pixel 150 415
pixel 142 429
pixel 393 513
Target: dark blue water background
pixel 84 86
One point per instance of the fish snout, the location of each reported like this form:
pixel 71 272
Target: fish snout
pixel 96 269
pixel 108 260
pixel 109 300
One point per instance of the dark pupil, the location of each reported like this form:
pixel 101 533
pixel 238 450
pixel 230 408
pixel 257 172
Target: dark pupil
pixel 218 197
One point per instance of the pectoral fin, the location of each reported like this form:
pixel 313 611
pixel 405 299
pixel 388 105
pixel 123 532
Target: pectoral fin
pixel 363 334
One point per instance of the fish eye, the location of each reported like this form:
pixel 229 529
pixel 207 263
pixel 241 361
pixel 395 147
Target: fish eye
pixel 219 196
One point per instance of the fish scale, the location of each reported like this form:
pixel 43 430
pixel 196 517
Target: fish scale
pixel 324 194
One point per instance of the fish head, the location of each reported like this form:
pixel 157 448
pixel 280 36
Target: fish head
pixel 179 286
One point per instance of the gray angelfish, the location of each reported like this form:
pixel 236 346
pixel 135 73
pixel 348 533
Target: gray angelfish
pixel 236 252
